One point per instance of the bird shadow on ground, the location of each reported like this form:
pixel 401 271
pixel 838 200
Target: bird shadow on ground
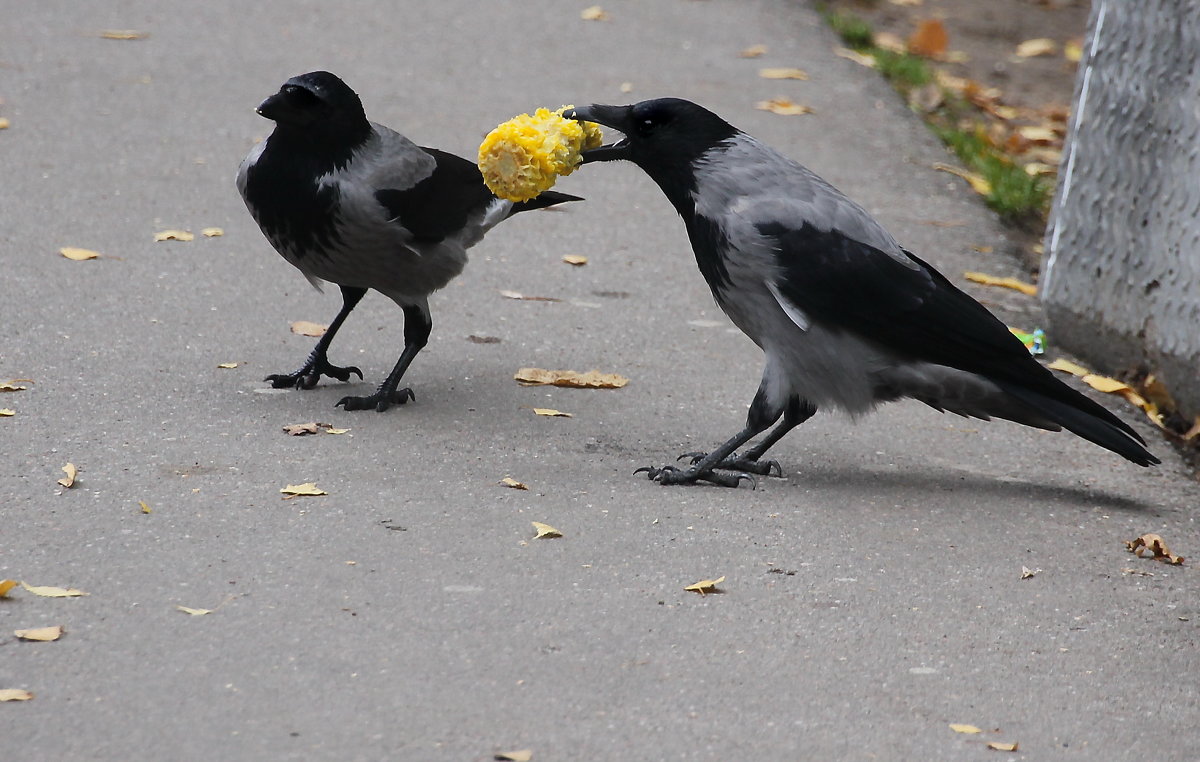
pixel 871 481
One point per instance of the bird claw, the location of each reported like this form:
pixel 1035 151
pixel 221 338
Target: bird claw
pixel 308 376
pixel 380 401
pixel 672 475
pixel 736 462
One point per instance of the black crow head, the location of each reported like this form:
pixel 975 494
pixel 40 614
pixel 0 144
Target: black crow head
pixel 660 132
pixel 320 103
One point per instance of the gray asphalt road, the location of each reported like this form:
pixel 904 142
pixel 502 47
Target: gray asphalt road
pixel 871 598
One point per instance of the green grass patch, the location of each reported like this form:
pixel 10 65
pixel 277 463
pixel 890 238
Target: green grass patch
pixel 1015 195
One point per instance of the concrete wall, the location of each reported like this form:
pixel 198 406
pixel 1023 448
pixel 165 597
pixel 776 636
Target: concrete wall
pixel 1121 276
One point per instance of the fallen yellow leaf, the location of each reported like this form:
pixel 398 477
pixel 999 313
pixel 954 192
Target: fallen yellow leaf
pixel 862 59
pixel 545 531
pixel 43 634
pixel 4 123
pixel 783 73
pixel 14 694
pixel 6 585
pixel 333 430
pixel 522 297
pixel 575 259
pixel 124 34
pixel 783 107
pixel 192 611
pixel 978 182
pixel 47 591
pixel 890 42
pixel 302 429
pixel 78 254
pixel 1042 46
pixel 964 728
pixel 6 412
pixel 68 481
pixel 308 489
pixel 173 235
pixel 508 481
pixel 706 586
pixel 998 746
pixel 1027 573
pixel 212 232
pixel 1155 544
pixel 144 506
pixel 227 365
pixel 754 51
pixel 991 280
pixel 524 755
pixel 307 328
pixel 593 379
pixel 1066 366
pixel 11 386
pixel 594 13
pixel 1106 384
pixel 551 412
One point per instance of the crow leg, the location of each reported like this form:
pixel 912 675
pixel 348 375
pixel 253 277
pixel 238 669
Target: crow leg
pixel 762 415
pixel 797 412
pixel 317 364
pixel 417 325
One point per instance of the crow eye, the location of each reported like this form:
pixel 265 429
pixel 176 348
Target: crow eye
pixel 647 125
pixel 299 96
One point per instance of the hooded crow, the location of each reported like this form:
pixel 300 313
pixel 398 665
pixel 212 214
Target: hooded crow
pixel 354 203
pixel 847 317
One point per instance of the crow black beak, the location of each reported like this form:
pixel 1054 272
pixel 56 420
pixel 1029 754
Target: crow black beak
pixel 272 108
pixel 615 117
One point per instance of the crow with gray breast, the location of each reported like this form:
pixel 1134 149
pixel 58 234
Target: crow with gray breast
pixel 846 317
pixel 354 203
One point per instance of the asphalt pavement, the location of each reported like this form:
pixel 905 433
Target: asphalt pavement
pixel 871 597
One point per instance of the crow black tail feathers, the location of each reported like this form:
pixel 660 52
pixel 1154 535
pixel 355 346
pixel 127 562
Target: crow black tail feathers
pixel 546 199
pixel 1090 421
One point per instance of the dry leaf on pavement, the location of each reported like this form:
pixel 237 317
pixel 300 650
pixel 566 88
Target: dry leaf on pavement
pixel 47 591
pixel 43 634
pixel 6 585
pixel 964 728
pixel 593 379
pixel 783 73
pixel 308 328
pixel 308 489
pixel 193 612
pixel 578 260
pixel 15 694
pixel 173 235
pixel 212 232
pixel 545 531
pixel 550 412
pixel 991 280
pixel 508 481
pixel 754 51
pixel 999 746
pixel 145 507
pixel 124 34
pixel 12 386
pixel 523 298
pixel 1155 544
pixel 706 586
pixel 68 481
pixel 1042 46
pixel 301 429
pixel 862 59
pixel 6 412
pixel 783 107
pixel 594 13
pixel 227 365
pixel 1027 573
pixel 78 254
pixel 524 755
pixel 977 181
